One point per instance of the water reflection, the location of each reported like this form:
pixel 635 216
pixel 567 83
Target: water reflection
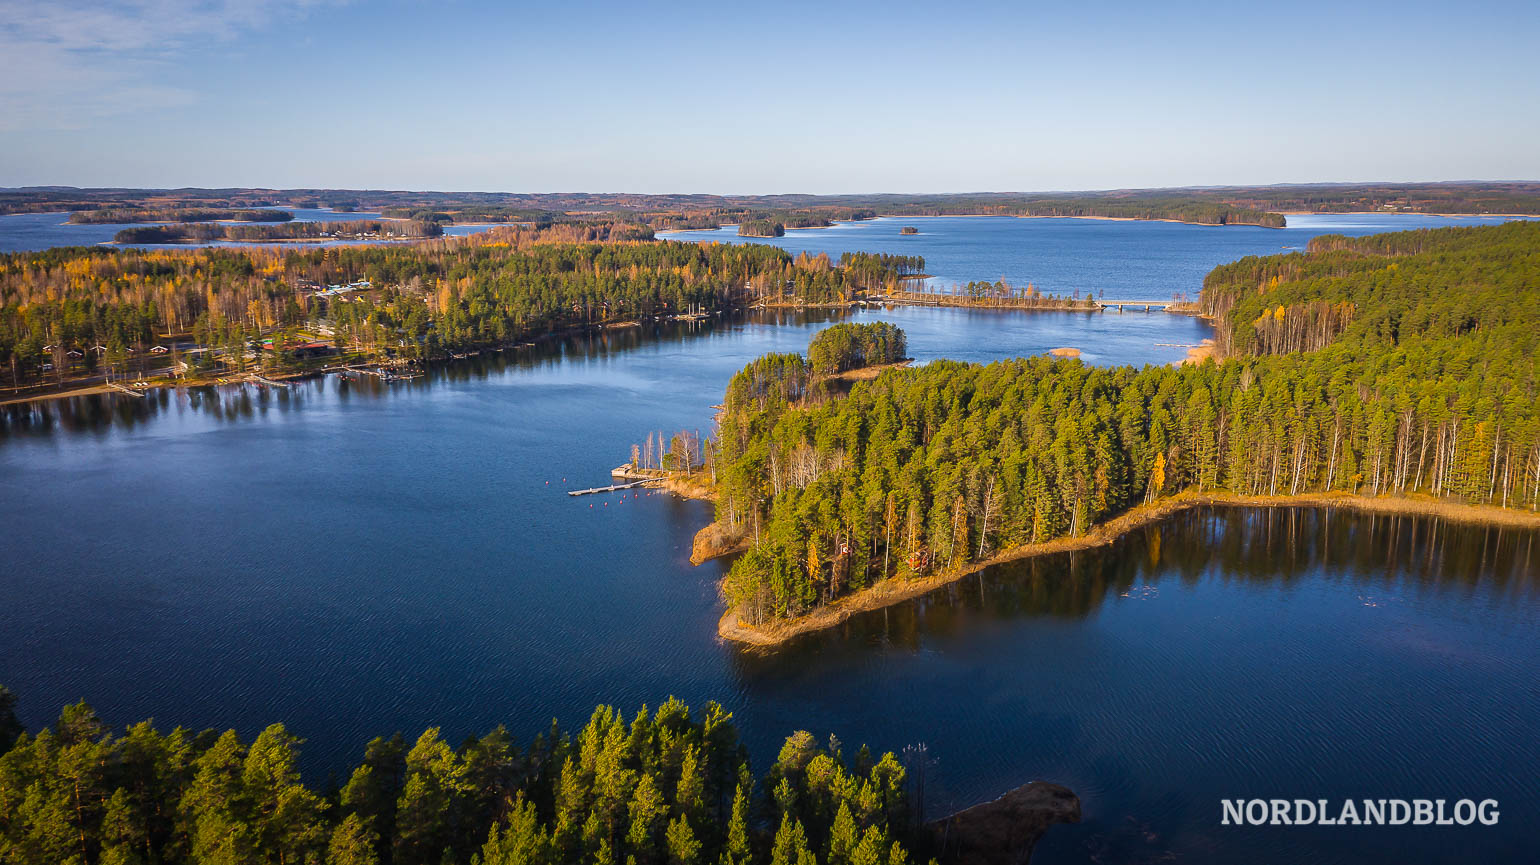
pixel 230 403
pixel 708 351
pixel 1227 652
pixel 1259 547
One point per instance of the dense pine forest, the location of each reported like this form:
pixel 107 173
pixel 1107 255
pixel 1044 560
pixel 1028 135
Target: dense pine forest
pixel 76 309
pixel 1393 364
pixel 668 786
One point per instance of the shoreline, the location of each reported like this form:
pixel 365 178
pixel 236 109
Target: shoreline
pixel 1404 213
pixel 891 591
pixel 1284 213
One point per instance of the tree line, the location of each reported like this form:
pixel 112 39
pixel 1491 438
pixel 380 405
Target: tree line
pixel 761 228
pixel 205 232
pixel 425 299
pixel 111 215
pixel 668 786
pixel 848 346
pixel 1392 364
pixel 1243 204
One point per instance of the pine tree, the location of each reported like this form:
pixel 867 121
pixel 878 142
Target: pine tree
pixel 213 810
pixel 736 851
pixel 683 849
pixel 872 850
pixel 790 843
pixel 522 841
pixel 285 815
pixel 353 842
pixel 648 809
pixel 842 837
pixel 10 726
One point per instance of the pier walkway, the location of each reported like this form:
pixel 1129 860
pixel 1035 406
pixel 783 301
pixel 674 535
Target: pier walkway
pixel 613 487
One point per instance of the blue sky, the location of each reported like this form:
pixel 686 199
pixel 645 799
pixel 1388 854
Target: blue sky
pixel 763 97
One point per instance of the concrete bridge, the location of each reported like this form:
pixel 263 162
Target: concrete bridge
pixel 1146 304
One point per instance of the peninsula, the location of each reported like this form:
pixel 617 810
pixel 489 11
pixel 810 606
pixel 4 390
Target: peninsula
pixel 921 475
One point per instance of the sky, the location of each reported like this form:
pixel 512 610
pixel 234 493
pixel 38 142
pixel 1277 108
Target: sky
pixel 766 97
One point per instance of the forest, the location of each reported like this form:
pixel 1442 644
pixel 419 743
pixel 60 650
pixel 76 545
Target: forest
pixel 760 228
pixel 846 346
pixel 425 299
pixel 205 232
pixel 111 215
pixel 1259 205
pixel 671 785
pixel 1402 364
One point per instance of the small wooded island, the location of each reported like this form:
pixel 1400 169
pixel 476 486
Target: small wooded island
pixel 908 229
pixel 761 228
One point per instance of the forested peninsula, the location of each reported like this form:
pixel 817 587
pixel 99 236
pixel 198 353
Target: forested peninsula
pixel 359 229
pixel 1394 370
pixel 119 215
pixel 671 785
pixel 179 316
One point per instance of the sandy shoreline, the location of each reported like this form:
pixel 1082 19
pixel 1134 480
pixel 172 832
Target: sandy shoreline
pixel 891 591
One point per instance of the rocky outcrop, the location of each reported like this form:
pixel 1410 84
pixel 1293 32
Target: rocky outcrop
pixel 1003 832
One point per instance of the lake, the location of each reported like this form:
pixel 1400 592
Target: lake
pixel 1104 258
pixel 357 558
pixel 28 232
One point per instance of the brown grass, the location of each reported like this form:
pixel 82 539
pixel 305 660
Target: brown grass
pixel 866 373
pixel 717 539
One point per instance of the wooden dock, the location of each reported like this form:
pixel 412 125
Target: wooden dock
pixel 612 488
pixel 383 373
pixel 262 379
pixel 128 390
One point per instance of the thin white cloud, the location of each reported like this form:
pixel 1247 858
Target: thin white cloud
pixel 66 63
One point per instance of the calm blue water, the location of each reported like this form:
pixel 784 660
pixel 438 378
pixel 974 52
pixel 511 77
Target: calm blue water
pixel 360 558
pixel 27 232
pixel 1116 260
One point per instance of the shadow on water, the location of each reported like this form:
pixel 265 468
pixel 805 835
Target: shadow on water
pixel 1227 652
pixel 1258 547
pixel 98 413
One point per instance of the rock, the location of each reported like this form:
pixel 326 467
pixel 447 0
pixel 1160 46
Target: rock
pixel 1003 832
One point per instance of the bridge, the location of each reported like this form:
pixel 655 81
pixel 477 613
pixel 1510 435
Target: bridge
pixel 1146 304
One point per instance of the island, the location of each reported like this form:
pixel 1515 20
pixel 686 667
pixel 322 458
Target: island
pixel 761 228
pixel 908 229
